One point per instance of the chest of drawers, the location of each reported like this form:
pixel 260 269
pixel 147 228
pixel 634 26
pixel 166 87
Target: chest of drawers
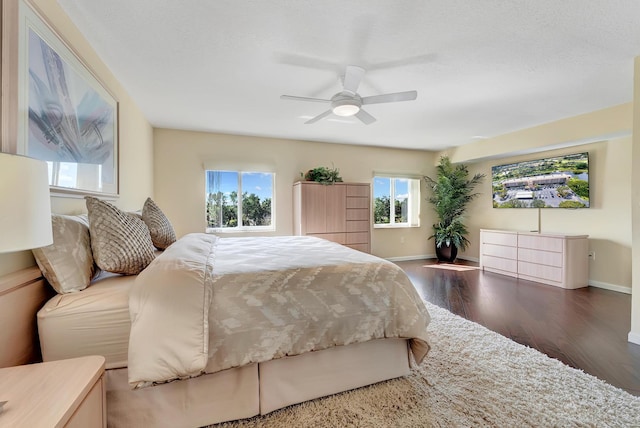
pixel 560 260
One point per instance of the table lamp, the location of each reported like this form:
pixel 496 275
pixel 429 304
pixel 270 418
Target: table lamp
pixel 25 206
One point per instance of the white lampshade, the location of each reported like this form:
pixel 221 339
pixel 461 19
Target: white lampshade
pixel 25 206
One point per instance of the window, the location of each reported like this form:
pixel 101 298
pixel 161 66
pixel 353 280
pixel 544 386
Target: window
pixel 239 200
pixel 396 202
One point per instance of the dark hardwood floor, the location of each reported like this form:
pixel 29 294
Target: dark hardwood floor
pixel 585 328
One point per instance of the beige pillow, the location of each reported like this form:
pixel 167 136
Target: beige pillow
pixel 137 214
pixel 120 242
pixel 162 233
pixel 67 263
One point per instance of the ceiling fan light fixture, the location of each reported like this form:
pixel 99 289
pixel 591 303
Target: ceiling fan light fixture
pixel 349 103
pixel 346 109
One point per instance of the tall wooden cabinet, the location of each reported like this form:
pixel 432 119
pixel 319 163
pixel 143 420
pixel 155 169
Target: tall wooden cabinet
pixel 338 212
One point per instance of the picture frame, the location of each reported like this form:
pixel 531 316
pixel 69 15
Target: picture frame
pixel 65 114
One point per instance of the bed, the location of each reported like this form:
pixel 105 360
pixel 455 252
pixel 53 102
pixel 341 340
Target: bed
pixel 269 322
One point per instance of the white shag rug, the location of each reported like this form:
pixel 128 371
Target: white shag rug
pixel 472 377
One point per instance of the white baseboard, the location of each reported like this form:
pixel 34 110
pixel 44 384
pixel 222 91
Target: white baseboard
pixel 469 259
pixel 634 337
pixel 408 258
pixel 612 287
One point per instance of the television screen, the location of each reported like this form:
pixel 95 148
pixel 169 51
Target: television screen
pixel 556 182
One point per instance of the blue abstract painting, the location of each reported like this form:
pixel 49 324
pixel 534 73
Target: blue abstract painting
pixel 68 120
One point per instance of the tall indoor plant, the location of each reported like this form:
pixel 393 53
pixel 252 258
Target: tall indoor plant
pixel 451 191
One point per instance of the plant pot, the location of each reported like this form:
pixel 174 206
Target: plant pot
pixel 446 253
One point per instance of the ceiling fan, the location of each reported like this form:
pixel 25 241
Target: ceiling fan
pixel 348 103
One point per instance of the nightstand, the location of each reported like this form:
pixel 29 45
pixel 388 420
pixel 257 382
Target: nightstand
pixel 64 393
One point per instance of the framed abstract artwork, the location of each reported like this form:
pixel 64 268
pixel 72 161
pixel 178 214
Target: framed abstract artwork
pixel 66 116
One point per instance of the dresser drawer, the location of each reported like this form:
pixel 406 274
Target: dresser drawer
pixel 499 251
pixel 333 237
pixel 358 226
pixel 550 273
pixel 508 239
pixel 536 242
pixel 358 202
pixel 506 265
pixel 360 247
pixel 358 214
pixel 357 238
pixel 554 259
pixel 358 190
pixel 548 258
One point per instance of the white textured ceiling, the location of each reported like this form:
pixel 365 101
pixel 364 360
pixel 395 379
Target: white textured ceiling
pixel 481 68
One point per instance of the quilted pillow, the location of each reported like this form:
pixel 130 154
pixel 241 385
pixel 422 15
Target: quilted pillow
pixel 162 233
pixel 67 264
pixel 121 242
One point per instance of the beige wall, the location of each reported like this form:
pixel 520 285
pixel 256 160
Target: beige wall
pixel 136 137
pixel 634 334
pixel 180 185
pixel 612 137
pixel 605 134
pixel 607 221
pixel 602 125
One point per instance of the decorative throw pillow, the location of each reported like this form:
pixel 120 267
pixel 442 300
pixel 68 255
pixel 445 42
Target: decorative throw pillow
pixel 67 263
pixel 162 233
pixel 137 214
pixel 120 242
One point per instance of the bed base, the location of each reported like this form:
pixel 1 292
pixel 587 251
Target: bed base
pixel 228 395
pixel 255 389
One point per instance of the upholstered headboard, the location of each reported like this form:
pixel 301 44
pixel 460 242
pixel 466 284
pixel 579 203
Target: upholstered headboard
pixel 22 294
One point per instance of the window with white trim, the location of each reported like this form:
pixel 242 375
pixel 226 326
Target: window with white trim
pixel 238 200
pixel 396 201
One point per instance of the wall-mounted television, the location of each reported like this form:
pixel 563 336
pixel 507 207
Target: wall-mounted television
pixel 553 182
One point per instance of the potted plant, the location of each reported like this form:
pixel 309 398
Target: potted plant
pixel 451 191
pixel 323 175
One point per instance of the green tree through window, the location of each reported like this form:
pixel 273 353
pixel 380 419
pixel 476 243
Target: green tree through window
pixel 396 201
pixel 241 200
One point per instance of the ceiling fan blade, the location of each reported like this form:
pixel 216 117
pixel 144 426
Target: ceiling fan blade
pixel 365 117
pixel 318 117
pixel 293 98
pixel 352 78
pixel 390 98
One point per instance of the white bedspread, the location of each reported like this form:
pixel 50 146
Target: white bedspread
pixel 208 304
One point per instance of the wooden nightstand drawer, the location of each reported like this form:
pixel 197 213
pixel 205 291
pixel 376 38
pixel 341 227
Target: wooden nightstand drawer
pixel 90 412
pixel 64 393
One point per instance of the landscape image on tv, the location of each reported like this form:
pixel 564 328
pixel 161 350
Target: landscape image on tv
pixel 557 182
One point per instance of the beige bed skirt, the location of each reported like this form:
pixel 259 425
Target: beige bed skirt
pixel 255 389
